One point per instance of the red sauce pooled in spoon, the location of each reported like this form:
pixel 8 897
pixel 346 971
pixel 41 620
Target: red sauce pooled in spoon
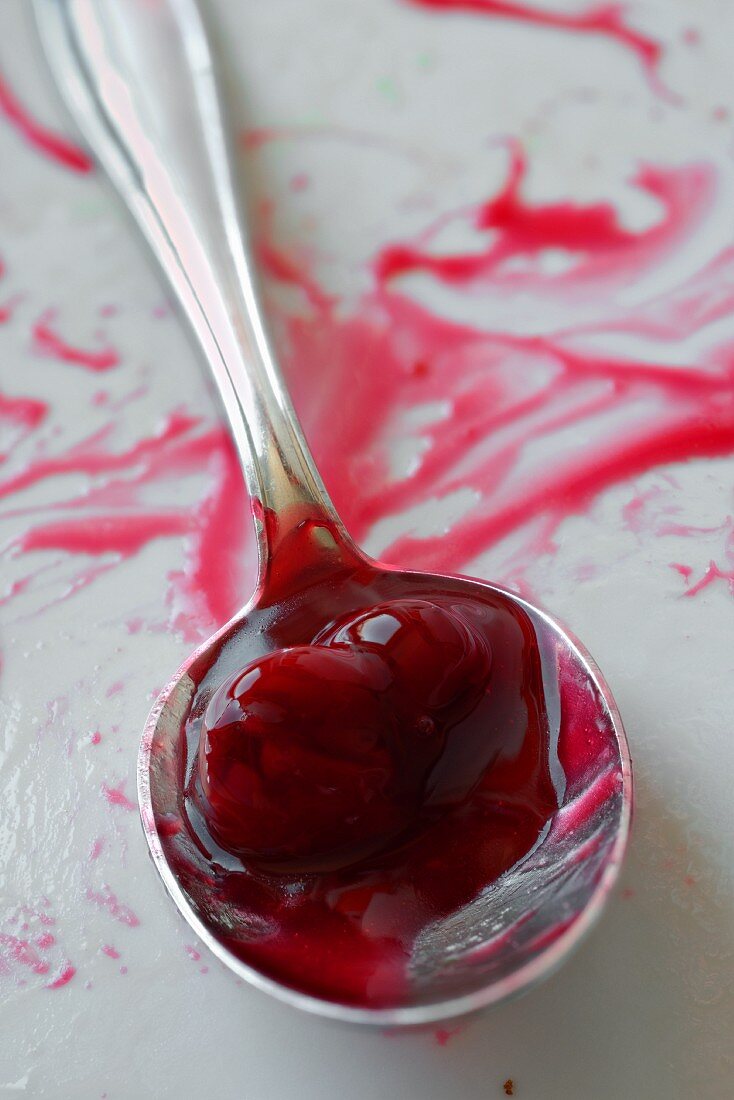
pixel 347 791
pixel 321 754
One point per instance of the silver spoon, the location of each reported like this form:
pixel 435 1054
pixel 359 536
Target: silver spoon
pixel 139 78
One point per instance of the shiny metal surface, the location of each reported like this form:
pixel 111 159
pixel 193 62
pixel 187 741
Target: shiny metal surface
pixel 139 78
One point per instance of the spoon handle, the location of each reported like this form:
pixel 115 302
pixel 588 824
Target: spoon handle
pixel 139 78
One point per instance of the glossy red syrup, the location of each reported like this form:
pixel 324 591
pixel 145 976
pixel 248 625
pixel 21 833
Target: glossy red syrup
pixel 369 774
pixel 322 754
pixel 48 341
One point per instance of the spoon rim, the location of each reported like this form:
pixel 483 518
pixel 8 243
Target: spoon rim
pixel 526 977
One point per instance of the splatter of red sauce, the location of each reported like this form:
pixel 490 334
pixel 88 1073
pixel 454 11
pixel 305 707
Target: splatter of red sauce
pixel 54 146
pixel 98 845
pixel 602 248
pixel 112 521
pixel 25 951
pixel 503 396
pixel 63 978
pixel 444 1035
pixel 356 853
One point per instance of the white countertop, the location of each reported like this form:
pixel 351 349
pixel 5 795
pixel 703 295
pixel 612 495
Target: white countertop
pixel 380 117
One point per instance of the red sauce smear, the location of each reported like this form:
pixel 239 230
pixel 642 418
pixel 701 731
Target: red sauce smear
pixel 28 948
pixel 591 233
pixel 49 342
pixel 54 146
pixel 110 522
pixel 607 20
pixel 500 393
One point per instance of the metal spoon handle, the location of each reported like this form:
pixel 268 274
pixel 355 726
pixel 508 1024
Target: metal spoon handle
pixel 139 78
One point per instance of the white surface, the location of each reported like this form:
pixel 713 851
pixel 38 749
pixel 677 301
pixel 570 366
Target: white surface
pixel 645 1008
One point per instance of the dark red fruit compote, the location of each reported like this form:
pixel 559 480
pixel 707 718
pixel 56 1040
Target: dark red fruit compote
pixel 320 755
pixel 369 772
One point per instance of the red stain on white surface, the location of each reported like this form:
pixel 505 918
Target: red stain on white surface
pixel 20 417
pixel 17 949
pixel 608 20
pixel 105 899
pixel 28 950
pixel 114 520
pixel 47 341
pixel 96 849
pixel 713 572
pixel 63 978
pixel 54 146
pixel 110 951
pixel 444 1035
pixel 116 796
pixel 602 248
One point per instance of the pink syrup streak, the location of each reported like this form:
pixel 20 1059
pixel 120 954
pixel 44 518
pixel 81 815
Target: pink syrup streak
pixel 509 394
pixel 443 1035
pixel 712 573
pixel 507 402
pixel 63 978
pixel 47 341
pixel 116 796
pixel 19 950
pixel 105 899
pixel 607 20
pixel 96 849
pixel 53 146
pixel 603 250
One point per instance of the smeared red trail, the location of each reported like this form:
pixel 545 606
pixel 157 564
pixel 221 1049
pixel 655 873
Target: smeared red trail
pixel 19 418
pixel 602 248
pixel 602 418
pixel 607 20
pixel 54 146
pixel 49 342
pixel 113 519
pixel 535 427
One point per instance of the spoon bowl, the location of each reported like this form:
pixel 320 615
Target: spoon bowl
pixel 518 929
pixel 139 79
